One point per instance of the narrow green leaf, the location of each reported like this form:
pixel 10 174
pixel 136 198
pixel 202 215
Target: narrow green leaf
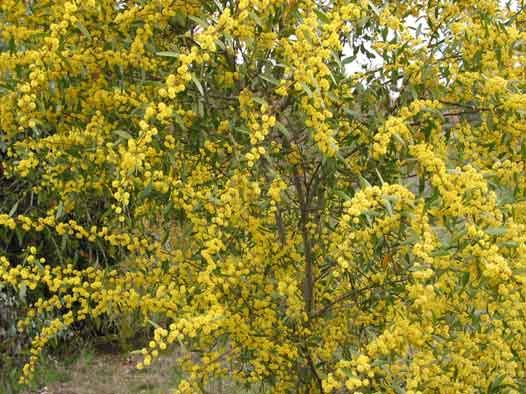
pixel 388 206
pixel 509 244
pixel 198 85
pixel 179 121
pixel 399 138
pixel 283 129
pixel 154 323
pixel 440 252
pixel 167 54
pixel 199 21
pixel 379 176
pixel 270 79
pixel 343 195
pixel 256 18
pixel 322 16
pixel 348 59
pixel 495 231
pixel 22 290
pixel 60 211
pixel 83 30
pixel 146 191
pixel 123 134
pixel 363 182
pixel 307 89
pixel 242 130
pixel 13 209
pixel 259 100
pixel 464 279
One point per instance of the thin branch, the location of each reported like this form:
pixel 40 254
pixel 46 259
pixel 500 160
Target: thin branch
pixel 346 296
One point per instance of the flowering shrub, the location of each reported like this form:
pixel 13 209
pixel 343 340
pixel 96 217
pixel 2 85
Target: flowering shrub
pixel 217 168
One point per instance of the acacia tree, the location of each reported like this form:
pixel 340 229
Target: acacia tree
pixel 223 171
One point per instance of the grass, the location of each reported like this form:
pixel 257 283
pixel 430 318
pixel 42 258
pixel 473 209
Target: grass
pixel 90 371
pixel 48 372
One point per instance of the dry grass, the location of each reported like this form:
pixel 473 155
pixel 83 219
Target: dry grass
pixel 99 373
pixel 93 373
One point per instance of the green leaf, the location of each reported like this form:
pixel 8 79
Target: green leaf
pixel 343 195
pixel 388 206
pixel 198 85
pixel 256 18
pixel 242 130
pixel 496 385
pixel 464 279
pixel 418 30
pixel 307 89
pixel 19 235
pixel 440 252
pixel 11 44
pixel 179 121
pixel 348 59
pixel 199 21
pixel 259 100
pixel 200 109
pixel 220 44
pixel 348 372
pixel 399 138
pixel 283 129
pixel 167 54
pixel 153 323
pixel 60 211
pixel 379 176
pixel 13 209
pixel 509 244
pixel 322 16
pixel 22 290
pixel 353 114
pixel 496 231
pixel 146 191
pixel 363 182
pixel 123 134
pixel 83 30
pixel 270 79
pixel 337 59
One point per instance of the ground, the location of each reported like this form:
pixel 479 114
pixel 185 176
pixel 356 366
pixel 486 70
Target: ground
pixel 97 373
pixel 94 372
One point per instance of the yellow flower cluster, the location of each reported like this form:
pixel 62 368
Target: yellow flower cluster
pixel 396 126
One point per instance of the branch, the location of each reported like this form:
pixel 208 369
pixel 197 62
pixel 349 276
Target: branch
pixel 314 372
pixel 346 296
pixel 308 284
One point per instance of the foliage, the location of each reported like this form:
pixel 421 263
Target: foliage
pixel 214 169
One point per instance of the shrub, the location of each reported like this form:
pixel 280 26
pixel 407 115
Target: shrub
pixel 226 172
